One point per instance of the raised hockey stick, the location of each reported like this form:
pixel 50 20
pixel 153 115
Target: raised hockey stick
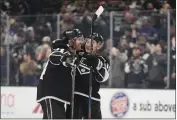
pixel 96 15
pixel 73 73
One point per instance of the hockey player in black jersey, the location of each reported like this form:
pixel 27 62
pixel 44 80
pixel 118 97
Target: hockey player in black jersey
pixel 100 74
pixel 55 86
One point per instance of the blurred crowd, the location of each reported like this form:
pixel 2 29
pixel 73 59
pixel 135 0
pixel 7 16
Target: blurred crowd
pixel 137 49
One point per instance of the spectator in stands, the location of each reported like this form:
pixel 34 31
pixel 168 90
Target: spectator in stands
pixel 136 70
pixel 42 27
pixel 66 22
pixel 124 47
pixel 165 7
pixel 42 52
pixel 134 32
pixel 117 70
pixel 28 68
pixel 148 30
pixel 143 44
pixel 17 53
pixel 30 34
pixel 19 38
pixel 157 67
pixel 150 6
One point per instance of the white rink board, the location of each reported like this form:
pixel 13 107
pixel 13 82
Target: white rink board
pixel 20 102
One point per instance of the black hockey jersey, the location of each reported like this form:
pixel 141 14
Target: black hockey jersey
pixel 56 81
pixel 100 74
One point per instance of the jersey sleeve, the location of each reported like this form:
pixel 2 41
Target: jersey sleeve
pixel 56 57
pixel 102 70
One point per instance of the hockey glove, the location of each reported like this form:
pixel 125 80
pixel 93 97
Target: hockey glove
pixel 91 60
pixel 69 60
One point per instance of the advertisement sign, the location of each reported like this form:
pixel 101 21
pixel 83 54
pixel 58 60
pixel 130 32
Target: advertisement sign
pixel 8 103
pixel 134 103
pixel 20 102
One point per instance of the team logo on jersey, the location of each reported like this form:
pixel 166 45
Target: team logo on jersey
pixel 83 69
pixel 119 105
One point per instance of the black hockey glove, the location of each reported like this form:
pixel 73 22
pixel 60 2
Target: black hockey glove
pixel 91 60
pixel 70 60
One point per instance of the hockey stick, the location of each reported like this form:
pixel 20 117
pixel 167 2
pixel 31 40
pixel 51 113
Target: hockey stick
pixel 96 15
pixel 73 73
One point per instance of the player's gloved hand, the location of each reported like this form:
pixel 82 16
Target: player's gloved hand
pixel 91 60
pixel 70 60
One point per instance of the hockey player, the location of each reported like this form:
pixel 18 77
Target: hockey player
pixel 55 87
pixel 100 74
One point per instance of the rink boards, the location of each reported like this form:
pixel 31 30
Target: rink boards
pixel 20 102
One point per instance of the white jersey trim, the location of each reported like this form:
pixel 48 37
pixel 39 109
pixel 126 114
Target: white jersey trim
pixel 52 97
pixel 50 108
pixel 47 108
pixel 105 77
pixel 82 94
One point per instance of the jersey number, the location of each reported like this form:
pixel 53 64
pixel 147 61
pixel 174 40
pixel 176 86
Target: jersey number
pixel 44 70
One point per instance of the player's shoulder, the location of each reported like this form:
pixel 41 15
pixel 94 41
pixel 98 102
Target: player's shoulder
pixel 103 58
pixel 59 51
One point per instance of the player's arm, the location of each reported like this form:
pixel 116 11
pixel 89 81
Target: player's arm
pixel 100 66
pixel 61 56
pixel 57 57
pixel 102 70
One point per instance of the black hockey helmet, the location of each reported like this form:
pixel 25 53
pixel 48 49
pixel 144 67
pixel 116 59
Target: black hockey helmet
pixel 67 34
pixel 98 38
pixel 70 34
pixel 59 43
pixel 77 33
